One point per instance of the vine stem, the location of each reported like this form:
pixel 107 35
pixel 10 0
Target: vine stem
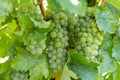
pixel 40 2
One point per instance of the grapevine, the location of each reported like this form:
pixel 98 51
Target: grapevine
pixel 59 40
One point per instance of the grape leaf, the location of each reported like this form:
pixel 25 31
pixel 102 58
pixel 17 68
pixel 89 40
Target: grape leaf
pixel 114 3
pixel 82 68
pixel 106 21
pixel 75 6
pixel 5 7
pixel 54 5
pixel 25 22
pixel 118 73
pixel 24 61
pixel 5 75
pixel 37 65
pixel 67 74
pixel 116 51
pixel 114 10
pixel 107 41
pixel 6 41
pixel 108 64
pixel 40 70
pixel 5 70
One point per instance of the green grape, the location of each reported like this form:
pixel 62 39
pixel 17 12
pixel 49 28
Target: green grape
pixel 53 34
pixel 56 17
pixel 84 34
pixel 58 61
pixel 83 40
pixel 58 44
pixel 93 24
pixel 57 26
pixel 59 50
pixel 87 49
pixel 83 29
pixel 94 47
pixel 54 57
pixel 51 61
pixel 62 22
pixel 89 40
pixel 31 47
pixel 50 54
pixel 97 42
pixel 59 35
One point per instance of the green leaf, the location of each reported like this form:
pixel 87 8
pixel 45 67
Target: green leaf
pixel 118 73
pixel 114 3
pixel 5 75
pixel 24 61
pixel 68 74
pixel 114 10
pixel 25 22
pixel 116 51
pixel 108 64
pixel 54 5
pixel 106 21
pixel 44 28
pixel 5 70
pixel 107 41
pixel 82 68
pixel 5 7
pixel 77 6
pixel 40 70
pixel 116 40
pixel 6 41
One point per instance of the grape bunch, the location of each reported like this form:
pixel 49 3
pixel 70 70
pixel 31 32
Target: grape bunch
pixel 58 41
pixel 88 37
pixel 34 44
pixel 30 9
pixel 17 75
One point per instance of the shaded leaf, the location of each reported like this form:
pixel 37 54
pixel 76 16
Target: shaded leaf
pixel 107 41
pixel 81 67
pixel 116 51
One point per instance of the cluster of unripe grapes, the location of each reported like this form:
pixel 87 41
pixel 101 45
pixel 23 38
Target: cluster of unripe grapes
pixel 58 42
pixel 34 45
pixel 81 31
pixel 17 75
pixel 31 10
pixel 88 38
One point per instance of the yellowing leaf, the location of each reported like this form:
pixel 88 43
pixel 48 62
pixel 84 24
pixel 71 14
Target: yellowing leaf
pixel 58 76
pixel 66 74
